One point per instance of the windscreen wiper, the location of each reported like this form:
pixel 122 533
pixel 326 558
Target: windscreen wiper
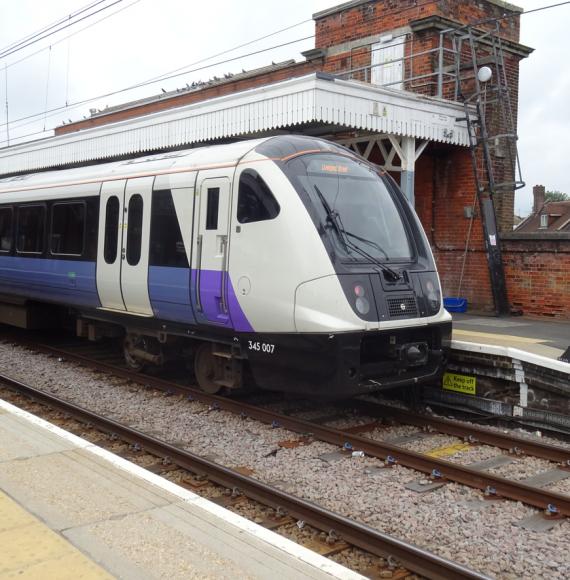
pixel 367 241
pixel 334 219
pixel 392 273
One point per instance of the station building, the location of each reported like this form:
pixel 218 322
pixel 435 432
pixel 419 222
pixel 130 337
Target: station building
pixel 398 81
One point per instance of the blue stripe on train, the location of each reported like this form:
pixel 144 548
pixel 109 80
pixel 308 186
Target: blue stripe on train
pixel 64 281
pixel 169 293
pixel 73 282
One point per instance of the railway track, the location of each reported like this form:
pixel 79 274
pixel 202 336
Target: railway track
pixel 415 559
pixel 438 470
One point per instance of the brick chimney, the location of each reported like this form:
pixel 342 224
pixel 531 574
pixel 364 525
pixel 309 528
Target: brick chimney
pixel 539 193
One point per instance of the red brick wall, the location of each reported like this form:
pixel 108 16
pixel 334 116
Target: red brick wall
pixel 386 15
pixel 537 271
pixel 444 186
pixel 538 276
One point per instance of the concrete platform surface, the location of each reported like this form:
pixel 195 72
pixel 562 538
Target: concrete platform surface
pixel 71 509
pixel 542 337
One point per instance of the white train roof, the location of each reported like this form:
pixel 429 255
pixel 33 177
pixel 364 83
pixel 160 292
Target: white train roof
pixel 173 161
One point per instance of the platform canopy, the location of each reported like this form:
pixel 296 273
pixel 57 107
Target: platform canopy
pixel 313 101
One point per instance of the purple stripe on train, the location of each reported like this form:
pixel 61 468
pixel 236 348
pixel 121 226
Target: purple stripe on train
pixel 211 301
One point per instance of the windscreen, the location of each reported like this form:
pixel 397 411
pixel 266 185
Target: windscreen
pixel 354 205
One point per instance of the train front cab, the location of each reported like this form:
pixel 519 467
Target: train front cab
pixel 367 307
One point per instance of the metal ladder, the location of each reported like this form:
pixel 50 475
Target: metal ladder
pixel 492 133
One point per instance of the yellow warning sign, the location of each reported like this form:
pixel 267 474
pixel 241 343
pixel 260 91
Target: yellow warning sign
pixel 459 383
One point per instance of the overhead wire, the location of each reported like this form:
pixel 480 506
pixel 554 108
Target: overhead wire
pixel 146 83
pixel 64 38
pixel 72 107
pixel 34 40
pixel 162 77
pixel 49 26
pixel 177 73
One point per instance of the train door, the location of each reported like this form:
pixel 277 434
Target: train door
pixel 210 267
pixel 136 237
pixel 122 258
pixel 109 245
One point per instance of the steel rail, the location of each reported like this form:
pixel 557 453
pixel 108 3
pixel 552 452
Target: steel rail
pixel 412 557
pixel 466 431
pixel 471 433
pixel 443 470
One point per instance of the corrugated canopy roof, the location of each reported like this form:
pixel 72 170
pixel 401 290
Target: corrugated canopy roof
pixel 313 99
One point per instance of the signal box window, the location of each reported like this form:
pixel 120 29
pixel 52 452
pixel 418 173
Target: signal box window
pixel 256 203
pixel 134 230
pixel 166 244
pixel 67 229
pixel 31 220
pixel 111 229
pixel 5 229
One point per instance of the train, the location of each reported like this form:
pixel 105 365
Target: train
pixel 289 263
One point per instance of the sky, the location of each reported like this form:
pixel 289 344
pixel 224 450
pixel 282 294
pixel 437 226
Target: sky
pixel 134 41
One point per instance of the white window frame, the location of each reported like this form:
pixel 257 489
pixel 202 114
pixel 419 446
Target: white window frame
pixel 388 49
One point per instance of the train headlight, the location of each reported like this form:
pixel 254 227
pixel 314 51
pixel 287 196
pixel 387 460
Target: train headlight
pixel 359 293
pixel 432 294
pixel 361 303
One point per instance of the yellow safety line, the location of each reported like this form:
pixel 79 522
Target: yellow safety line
pixel 30 550
pixel 494 336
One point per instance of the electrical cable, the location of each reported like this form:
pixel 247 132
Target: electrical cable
pixel 167 76
pixel 163 76
pixel 34 40
pixel 60 40
pixel 72 107
pixel 112 93
pixel 50 26
pixel 176 73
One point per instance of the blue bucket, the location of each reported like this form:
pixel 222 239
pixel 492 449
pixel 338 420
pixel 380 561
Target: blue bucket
pixel 455 304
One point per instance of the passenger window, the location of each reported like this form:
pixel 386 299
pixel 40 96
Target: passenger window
pixel 212 208
pixel 31 220
pixel 91 228
pixel 255 201
pixel 67 229
pixel 134 230
pixel 5 229
pixel 111 230
pixel 166 244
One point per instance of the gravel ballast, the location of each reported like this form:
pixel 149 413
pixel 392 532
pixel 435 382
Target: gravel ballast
pixel 452 521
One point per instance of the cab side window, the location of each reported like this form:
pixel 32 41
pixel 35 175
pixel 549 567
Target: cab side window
pixel 255 201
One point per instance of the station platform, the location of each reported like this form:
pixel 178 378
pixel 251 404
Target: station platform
pixel 536 336
pixel 69 509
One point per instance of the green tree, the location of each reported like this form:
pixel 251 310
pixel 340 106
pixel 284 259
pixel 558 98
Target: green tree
pixel 556 196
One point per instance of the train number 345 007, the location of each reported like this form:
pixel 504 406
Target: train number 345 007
pixel 261 346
